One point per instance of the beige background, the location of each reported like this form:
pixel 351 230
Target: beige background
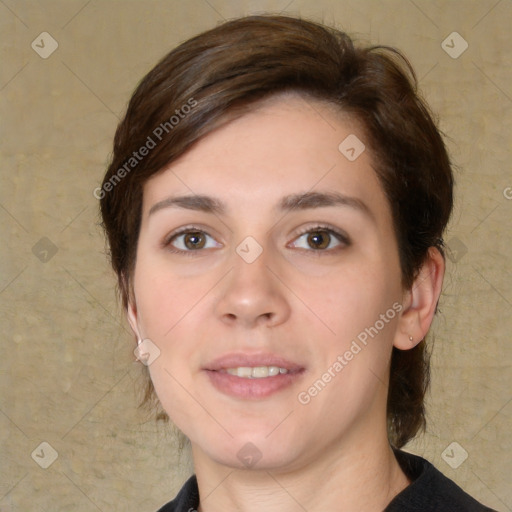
pixel 67 371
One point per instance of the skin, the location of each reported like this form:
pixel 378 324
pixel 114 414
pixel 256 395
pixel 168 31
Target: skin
pixel 295 300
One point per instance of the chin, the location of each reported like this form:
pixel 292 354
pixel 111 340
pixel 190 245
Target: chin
pixel 251 450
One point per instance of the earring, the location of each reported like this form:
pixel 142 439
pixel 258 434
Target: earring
pixel 139 341
pixel 411 338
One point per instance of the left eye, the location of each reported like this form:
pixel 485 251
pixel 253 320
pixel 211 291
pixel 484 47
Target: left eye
pixel 319 240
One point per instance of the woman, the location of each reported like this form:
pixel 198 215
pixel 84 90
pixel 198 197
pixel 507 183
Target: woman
pixel 275 208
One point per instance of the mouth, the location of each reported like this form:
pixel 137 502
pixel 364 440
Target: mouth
pixel 252 377
pixel 256 372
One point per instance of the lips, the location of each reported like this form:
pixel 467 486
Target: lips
pixel 243 376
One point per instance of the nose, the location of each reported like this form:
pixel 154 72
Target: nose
pixel 252 295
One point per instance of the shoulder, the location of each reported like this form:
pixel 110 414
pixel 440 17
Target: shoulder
pixel 187 500
pixel 430 490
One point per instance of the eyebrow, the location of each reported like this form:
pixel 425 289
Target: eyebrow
pixel 192 202
pixel 293 202
pixel 309 200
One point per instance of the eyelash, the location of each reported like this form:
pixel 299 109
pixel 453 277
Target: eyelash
pixel 183 231
pixel 341 237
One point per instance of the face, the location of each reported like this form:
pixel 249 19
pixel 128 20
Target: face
pixel 268 276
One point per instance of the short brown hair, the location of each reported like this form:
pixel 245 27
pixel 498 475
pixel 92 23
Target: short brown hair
pixel 247 59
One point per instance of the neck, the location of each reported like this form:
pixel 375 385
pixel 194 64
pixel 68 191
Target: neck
pixel 348 477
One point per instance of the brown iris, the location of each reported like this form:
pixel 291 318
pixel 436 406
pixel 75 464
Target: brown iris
pixel 194 240
pixel 319 239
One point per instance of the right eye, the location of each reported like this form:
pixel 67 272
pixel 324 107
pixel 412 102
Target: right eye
pixel 190 240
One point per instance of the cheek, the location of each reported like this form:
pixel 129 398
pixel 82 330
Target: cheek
pixel 362 310
pixel 169 308
pixel 350 301
pixel 170 312
pixel 163 298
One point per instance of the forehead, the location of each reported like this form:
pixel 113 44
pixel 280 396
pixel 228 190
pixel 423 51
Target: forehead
pixel 288 143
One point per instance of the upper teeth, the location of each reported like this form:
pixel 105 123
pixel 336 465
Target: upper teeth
pixel 256 372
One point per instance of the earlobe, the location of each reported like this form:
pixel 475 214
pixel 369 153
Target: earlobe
pixel 420 302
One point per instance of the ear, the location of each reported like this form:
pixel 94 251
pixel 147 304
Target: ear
pixel 420 302
pixel 131 314
pixel 131 309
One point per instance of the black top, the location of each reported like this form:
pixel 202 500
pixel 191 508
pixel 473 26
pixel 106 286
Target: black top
pixel 430 491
